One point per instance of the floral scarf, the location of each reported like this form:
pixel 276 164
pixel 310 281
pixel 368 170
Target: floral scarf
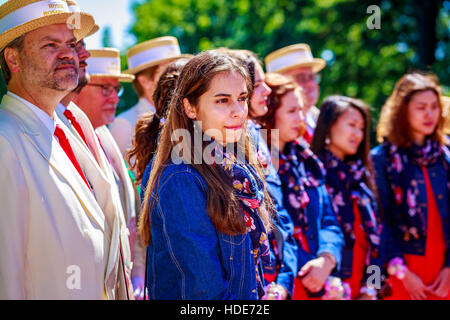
pixel 299 169
pixel 345 183
pixel 249 188
pixel 405 188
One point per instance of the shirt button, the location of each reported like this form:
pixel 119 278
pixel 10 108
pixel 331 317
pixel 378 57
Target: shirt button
pixel 311 236
pixel 440 196
pixel 254 290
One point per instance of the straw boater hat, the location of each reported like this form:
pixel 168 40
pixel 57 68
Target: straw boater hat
pixel 18 17
pixel 105 63
pixel 153 52
pixel 294 56
pixel 73 7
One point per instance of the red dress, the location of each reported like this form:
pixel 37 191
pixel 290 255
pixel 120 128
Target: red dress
pixel 360 251
pixel 299 292
pixel 428 266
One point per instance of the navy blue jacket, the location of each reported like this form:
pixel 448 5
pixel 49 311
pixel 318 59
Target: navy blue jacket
pixel 393 244
pixel 283 227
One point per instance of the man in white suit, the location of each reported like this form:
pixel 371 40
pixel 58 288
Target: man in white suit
pixel 54 238
pixel 100 175
pixel 98 100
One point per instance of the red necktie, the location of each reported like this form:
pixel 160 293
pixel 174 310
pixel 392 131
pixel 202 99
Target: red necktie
pixel 65 145
pixel 69 115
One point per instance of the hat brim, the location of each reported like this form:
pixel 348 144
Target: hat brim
pixel 121 77
pixel 86 25
pixel 317 64
pixel 156 62
pixel 95 28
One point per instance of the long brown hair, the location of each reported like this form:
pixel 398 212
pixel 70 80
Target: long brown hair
pixel 393 124
pixel 222 204
pixel 149 125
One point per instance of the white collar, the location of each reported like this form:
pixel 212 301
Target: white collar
pixel 48 121
pixel 61 108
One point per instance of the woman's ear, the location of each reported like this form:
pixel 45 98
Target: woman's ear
pixel 189 109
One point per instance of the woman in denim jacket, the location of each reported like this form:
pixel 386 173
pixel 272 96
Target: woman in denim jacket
pixel 206 212
pixel 319 237
pixel 282 270
pixel 412 174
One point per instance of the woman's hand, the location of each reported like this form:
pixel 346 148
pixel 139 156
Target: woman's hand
pixel 315 272
pixel 441 286
pixel 415 287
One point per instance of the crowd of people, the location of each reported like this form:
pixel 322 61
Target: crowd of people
pixel 223 182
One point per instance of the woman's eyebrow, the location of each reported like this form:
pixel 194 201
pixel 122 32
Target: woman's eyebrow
pixel 229 95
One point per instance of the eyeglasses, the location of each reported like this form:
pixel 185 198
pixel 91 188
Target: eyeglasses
pixel 107 90
pixel 302 78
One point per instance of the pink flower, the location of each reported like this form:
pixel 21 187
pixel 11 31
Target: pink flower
pixel 293 201
pixel 411 199
pixel 397 163
pixel 251 203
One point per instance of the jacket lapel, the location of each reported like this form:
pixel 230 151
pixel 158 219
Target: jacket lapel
pixel 48 147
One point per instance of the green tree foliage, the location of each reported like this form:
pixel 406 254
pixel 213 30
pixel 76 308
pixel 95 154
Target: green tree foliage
pixel 361 62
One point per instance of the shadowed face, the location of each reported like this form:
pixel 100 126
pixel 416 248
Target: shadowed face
pixel 289 118
pixel 260 93
pixel 83 55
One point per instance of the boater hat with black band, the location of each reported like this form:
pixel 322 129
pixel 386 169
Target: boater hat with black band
pixel 105 63
pixel 153 52
pixel 17 17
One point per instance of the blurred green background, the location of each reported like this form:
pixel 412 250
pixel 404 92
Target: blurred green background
pixel 361 62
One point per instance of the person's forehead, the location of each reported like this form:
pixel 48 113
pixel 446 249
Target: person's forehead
pixel 424 95
pixel 259 72
pixel 352 113
pixel 57 32
pixel 234 81
pixel 293 97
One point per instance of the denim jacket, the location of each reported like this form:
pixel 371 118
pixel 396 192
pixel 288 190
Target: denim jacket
pixel 393 245
pixel 324 233
pixel 188 258
pixel 283 227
